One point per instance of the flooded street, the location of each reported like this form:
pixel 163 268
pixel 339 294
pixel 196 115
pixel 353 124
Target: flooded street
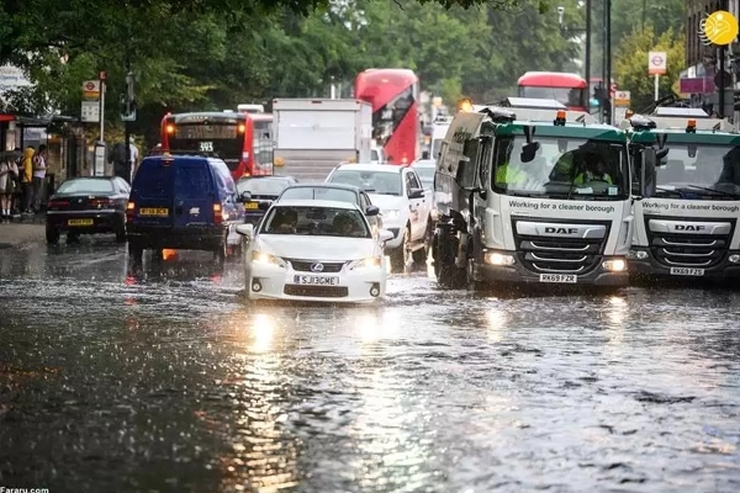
pixel 176 383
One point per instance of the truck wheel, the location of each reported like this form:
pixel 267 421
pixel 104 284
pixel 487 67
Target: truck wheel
pixel 448 274
pixel 401 256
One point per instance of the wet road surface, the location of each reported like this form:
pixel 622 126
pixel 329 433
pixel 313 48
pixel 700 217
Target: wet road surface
pixel 176 383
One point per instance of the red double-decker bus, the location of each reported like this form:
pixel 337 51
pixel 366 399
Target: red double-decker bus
pixel 243 141
pixel 569 89
pixel 394 94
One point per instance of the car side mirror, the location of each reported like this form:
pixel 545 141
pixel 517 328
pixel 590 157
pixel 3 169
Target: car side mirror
pixel 385 235
pixel 416 193
pixel 246 230
pixel 246 197
pixel 425 155
pixel 372 210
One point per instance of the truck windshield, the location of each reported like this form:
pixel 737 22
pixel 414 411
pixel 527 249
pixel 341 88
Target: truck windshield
pixel 698 172
pixel 562 168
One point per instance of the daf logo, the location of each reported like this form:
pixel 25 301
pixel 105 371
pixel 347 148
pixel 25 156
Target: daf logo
pixel 317 267
pixel 561 231
pixel 689 227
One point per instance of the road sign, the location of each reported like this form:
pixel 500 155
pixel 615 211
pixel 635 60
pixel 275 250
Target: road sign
pixel 91 90
pixel 90 112
pixel 622 98
pixel 657 62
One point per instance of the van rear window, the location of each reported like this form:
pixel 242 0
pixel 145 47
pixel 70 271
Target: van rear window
pixel 193 182
pixel 154 181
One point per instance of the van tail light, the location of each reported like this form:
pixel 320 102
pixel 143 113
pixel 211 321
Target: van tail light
pixel 218 214
pixel 130 212
pixel 58 204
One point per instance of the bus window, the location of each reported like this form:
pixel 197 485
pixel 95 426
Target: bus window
pixel 262 145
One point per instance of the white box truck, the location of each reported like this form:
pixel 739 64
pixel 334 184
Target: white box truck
pixel 312 136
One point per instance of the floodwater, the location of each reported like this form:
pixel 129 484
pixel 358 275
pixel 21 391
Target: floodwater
pixel 175 382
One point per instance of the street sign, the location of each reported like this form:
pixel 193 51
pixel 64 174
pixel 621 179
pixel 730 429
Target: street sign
pixel 657 62
pixel 91 90
pixel 622 98
pixel 90 112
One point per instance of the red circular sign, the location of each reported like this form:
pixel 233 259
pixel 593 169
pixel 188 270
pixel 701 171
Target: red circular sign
pixel 90 86
pixel 657 60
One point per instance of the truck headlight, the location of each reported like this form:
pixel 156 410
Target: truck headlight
pixel 499 259
pixel 392 213
pixel 267 259
pixel 614 265
pixel 366 262
pixel 637 254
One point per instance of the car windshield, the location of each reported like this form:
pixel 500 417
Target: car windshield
pixel 262 186
pixel 562 168
pixel 86 185
pixel 380 182
pixel 315 221
pixel 698 171
pixel 320 193
pixel 426 175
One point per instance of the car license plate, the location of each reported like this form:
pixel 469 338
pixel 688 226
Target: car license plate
pixel 80 222
pixel 251 205
pixel 316 280
pixel 559 278
pixel 686 271
pixel 153 211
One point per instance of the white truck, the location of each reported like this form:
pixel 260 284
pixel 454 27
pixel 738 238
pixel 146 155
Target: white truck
pixel 532 195
pixel 687 196
pixel 312 136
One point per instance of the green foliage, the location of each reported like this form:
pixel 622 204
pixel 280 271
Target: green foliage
pixel 631 64
pixel 198 54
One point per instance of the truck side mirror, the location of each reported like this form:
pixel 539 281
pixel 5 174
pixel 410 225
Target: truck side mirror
pixel 647 171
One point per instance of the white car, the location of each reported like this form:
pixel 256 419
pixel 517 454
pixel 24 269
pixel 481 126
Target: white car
pixel 405 206
pixel 314 250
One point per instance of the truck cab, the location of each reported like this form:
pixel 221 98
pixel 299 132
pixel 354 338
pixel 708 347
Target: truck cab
pixel 687 197
pixel 531 195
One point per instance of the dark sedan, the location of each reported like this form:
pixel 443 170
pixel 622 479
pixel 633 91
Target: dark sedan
pixel 88 205
pixel 262 192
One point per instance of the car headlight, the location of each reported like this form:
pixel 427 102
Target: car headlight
pixel 267 259
pixel 392 213
pixel 366 262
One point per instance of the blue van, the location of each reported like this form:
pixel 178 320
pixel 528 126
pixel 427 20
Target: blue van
pixel 184 202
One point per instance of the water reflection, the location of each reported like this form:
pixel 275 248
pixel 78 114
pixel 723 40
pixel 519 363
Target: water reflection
pixel 496 324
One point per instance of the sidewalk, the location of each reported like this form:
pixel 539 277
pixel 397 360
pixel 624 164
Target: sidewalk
pixel 22 233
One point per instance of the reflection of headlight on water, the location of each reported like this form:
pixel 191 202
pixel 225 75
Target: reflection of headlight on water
pixel 263 329
pixel 373 327
pixel 497 320
pixel 616 313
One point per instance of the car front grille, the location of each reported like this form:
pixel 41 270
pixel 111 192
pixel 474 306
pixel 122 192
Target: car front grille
pixel 306 266
pixel 545 254
pixel 316 291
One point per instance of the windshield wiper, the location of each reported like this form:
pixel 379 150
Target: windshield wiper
pixel 670 191
pixel 715 191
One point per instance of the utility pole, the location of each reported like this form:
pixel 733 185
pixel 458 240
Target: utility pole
pixel 722 55
pixel 588 54
pixel 608 57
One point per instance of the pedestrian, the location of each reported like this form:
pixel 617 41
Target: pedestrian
pixel 118 158
pixel 39 177
pixel 133 160
pixel 8 173
pixel 27 179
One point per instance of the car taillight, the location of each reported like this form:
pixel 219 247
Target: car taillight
pixel 100 203
pixel 218 214
pixel 130 211
pixel 58 204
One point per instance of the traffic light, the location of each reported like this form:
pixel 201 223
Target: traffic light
pixel 128 100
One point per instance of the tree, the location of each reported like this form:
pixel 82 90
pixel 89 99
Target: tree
pixel 631 64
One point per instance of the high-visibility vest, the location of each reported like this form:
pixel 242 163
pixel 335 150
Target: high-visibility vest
pixel 506 175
